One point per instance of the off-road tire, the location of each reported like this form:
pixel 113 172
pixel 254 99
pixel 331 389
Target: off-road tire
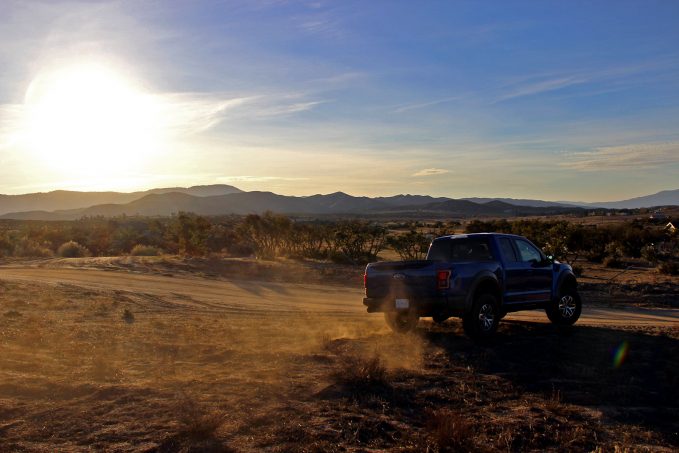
pixel 401 321
pixel 440 319
pixel 566 309
pixel 484 317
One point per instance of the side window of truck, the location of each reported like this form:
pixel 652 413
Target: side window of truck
pixel 527 251
pixel 439 250
pixel 460 250
pixel 508 250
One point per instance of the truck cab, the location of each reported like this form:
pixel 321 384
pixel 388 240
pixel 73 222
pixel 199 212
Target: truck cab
pixel 477 277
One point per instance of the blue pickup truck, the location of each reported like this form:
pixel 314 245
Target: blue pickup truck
pixel 477 277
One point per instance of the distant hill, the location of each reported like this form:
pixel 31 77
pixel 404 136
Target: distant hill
pixel 664 198
pixel 524 202
pixel 410 200
pixel 65 199
pixel 224 199
pixel 466 208
pixel 165 204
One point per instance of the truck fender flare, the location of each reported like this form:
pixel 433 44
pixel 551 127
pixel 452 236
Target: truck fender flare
pixel 565 277
pixel 484 277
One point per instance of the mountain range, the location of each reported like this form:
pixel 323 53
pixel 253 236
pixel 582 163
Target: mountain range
pixel 224 199
pixel 664 198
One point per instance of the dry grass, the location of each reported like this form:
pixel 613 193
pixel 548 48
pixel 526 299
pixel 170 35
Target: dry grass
pixel 76 376
pixel 363 374
pixel 197 422
pixel 451 431
pixel 637 286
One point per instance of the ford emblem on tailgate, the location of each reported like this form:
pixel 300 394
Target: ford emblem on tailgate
pixel 399 276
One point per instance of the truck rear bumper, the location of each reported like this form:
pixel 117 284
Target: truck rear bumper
pixel 450 305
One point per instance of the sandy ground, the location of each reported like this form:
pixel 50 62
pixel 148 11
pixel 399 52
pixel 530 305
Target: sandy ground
pixel 252 297
pixel 171 362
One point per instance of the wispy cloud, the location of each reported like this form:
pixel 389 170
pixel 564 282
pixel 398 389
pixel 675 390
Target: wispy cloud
pixel 321 21
pixel 189 113
pixel 421 105
pixel 431 172
pixel 625 157
pixel 542 86
pixel 286 108
pixel 616 77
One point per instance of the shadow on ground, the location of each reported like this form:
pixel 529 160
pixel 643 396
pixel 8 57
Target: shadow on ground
pixel 631 376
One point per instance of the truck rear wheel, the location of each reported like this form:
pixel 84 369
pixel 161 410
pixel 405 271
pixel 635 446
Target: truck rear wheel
pixel 401 321
pixel 567 308
pixel 484 317
pixel 440 319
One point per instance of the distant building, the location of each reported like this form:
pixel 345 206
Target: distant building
pixel 658 215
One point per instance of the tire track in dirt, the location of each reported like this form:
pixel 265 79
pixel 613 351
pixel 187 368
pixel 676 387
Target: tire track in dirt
pixel 245 297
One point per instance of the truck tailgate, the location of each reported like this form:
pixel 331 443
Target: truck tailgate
pixel 401 279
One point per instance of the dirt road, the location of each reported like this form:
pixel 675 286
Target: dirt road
pixel 162 292
pixel 161 358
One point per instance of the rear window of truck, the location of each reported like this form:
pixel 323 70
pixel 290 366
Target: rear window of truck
pixel 460 249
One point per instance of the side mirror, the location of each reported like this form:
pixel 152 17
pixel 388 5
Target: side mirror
pixel 544 262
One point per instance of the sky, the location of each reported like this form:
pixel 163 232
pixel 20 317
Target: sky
pixel 540 99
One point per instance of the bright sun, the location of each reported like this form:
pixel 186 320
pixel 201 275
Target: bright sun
pixel 87 121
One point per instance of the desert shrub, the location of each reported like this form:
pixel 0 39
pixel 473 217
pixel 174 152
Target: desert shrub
pixel 145 250
pixel 362 373
pixel 669 268
pixel 564 240
pixel 614 255
pixel 309 240
pixel 339 258
pixel 72 249
pixel 567 241
pixel 6 244
pixel 196 422
pixel 128 316
pixel 451 431
pixel 595 256
pixel 359 242
pixel 613 262
pixel 649 253
pixel 222 238
pixel 29 248
pixel 267 234
pixel 124 238
pixel 409 246
pixel 191 232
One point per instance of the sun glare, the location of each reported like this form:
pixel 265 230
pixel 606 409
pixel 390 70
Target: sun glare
pixel 87 121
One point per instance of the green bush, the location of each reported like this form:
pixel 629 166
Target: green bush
pixel 72 249
pixel 145 250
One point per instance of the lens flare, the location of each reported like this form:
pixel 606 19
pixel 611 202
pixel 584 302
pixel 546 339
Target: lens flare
pixel 620 354
pixel 88 119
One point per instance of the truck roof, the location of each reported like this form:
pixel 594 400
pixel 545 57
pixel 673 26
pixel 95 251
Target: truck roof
pixel 471 235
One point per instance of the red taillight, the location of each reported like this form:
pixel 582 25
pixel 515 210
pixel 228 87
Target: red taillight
pixel 443 279
pixel 365 280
